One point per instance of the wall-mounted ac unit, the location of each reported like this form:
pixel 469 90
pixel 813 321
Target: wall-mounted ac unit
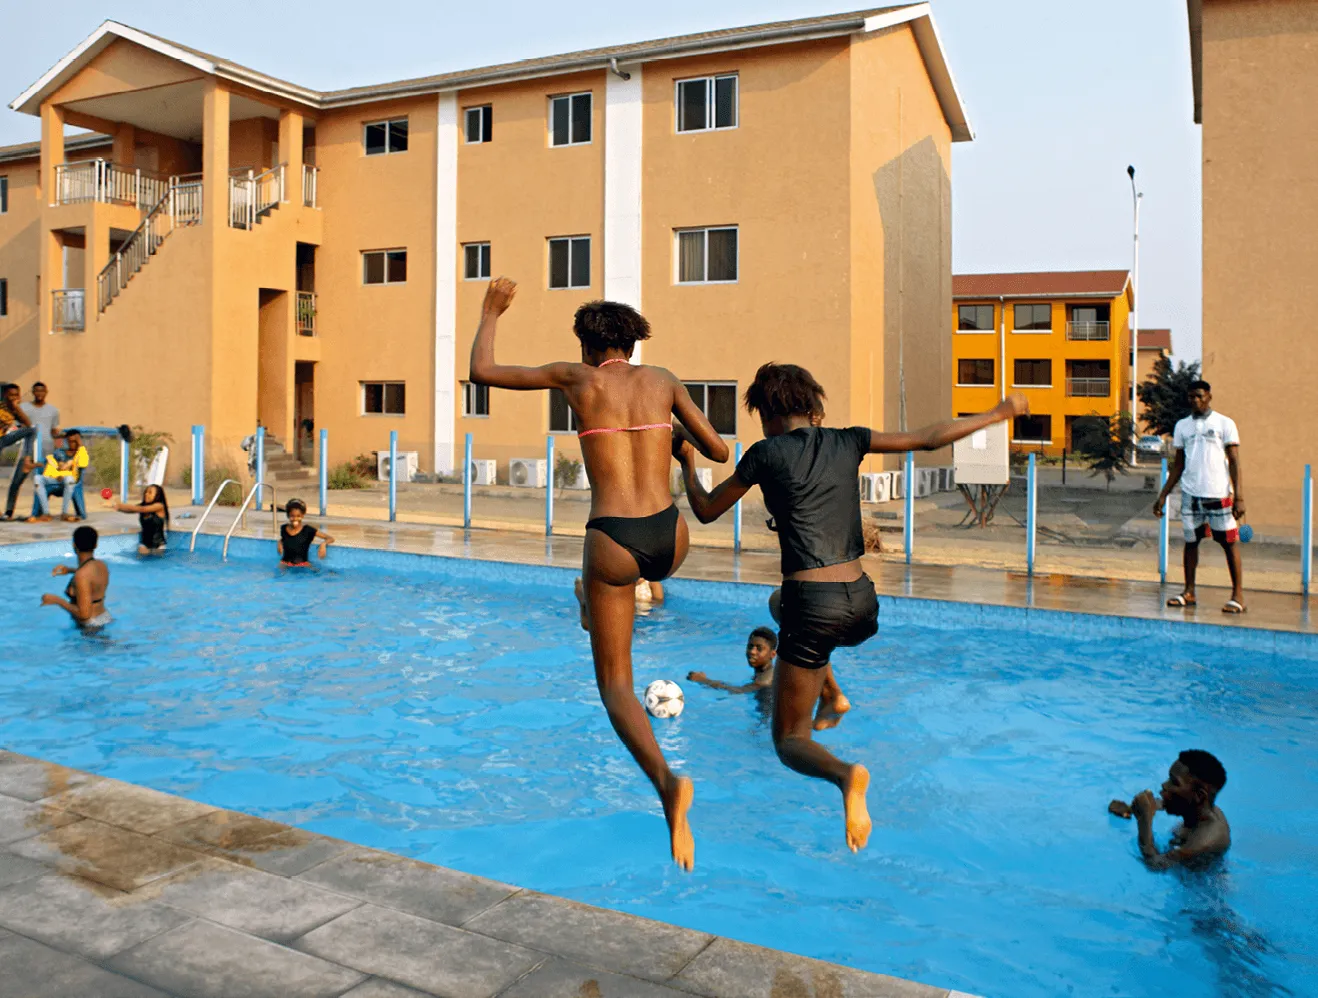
pixel 926 482
pixel 876 486
pixel 527 472
pixel 483 472
pixel 409 463
pixel 898 490
pixel 677 486
pixel 944 478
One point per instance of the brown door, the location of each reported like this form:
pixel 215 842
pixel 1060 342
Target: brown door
pixel 304 410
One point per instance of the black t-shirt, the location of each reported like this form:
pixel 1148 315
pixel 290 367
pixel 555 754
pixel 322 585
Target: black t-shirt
pixel 297 546
pixel 809 481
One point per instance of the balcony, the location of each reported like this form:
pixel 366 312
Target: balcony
pixel 108 183
pixel 252 195
pixel 306 313
pixel 68 314
pixel 1091 388
pixel 1088 331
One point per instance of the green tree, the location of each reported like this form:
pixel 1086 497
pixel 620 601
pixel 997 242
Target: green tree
pixel 1165 395
pixel 1104 445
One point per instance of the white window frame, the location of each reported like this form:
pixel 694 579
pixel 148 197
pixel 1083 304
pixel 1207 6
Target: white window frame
pixel 736 416
pixel 387 122
pixel 489 258
pixel 973 332
pixel 466 124
pixel 549 414
pixel 1031 332
pixel 709 104
pixel 706 229
pixel 384 395
pixel 470 395
pixel 384 252
pixel 991 384
pixel 549 262
pixel 549 119
pixel 1014 383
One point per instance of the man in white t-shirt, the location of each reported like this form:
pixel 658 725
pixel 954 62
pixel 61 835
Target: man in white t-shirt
pixel 1207 466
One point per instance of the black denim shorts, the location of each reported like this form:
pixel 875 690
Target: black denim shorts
pixel 818 617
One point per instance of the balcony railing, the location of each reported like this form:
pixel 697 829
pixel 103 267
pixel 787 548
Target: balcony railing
pixel 306 313
pixel 180 205
pixel 310 174
pixel 68 312
pixel 1088 331
pixel 251 197
pixel 108 183
pixel 1098 388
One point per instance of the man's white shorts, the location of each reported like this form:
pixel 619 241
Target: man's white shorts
pixel 1200 516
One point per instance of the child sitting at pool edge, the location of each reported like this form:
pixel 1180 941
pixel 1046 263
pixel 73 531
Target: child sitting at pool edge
pixel 296 537
pixel 1190 793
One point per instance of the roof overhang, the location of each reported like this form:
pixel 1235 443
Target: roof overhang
pixel 920 17
pixel 32 150
pixel 1195 8
pixel 1099 295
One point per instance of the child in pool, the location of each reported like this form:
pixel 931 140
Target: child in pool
pixel 152 517
pixel 297 536
pixel 1190 793
pixel 648 594
pixel 761 651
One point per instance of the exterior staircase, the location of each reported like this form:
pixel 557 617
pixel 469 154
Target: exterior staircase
pixel 283 469
pixel 178 206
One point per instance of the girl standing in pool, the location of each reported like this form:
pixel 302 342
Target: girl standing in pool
pixel 296 537
pixel 84 597
pixel 625 413
pixel 152 518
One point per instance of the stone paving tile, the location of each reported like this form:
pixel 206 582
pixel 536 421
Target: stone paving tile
pixel 376 987
pixel 29 969
pixel 595 936
pixel 564 979
pixel 138 809
pixel 31 779
pixel 112 856
pixel 420 953
pixel 266 845
pixel 83 917
pixel 251 901
pixel 203 960
pixel 20 819
pixel 417 888
pixel 15 868
pixel 731 968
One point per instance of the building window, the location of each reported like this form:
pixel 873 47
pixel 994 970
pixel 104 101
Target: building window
pixel 707 256
pixel 1032 430
pixel 1035 317
pixel 480 124
pixel 569 262
pixel 384 398
pixel 1088 379
pixel 476 260
pixel 974 372
pixel 475 399
pixel 4 195
pixel 709 102
pixel 384 266
pixel 974 318
pixel 1090 313
pixel 1033 374
pixel 569 120
pixel 4 296
pixel 381 137
pixel 718 401
pixel 561 417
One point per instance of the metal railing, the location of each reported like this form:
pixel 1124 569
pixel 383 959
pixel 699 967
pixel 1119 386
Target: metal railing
pixel 106 182
pixel 242 515
pixel 306 313
pixel 1088 387
pixel 214 499
pixel 180 205
pixel 254 195
pixel 310 174
pixel 185 199
pixel 1088 331
pixel 68 310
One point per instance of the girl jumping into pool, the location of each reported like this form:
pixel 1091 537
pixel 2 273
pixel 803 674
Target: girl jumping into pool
pixel 624 413
pixel 297 536
pixel 152 518
pixel 807 474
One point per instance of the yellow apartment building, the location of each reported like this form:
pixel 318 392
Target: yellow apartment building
pixel 1255 90
pixel 228 247
pixel 1060 338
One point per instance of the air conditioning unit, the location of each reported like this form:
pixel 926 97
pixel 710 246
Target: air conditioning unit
pixel 676 485
pixel 876 486
pixel 898 490
pixel 527 472
pixel 409 463
pixel 926 481
pixel 483 472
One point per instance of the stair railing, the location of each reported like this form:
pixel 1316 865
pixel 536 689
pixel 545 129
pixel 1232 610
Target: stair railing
pixel 214 499
pixel 242 514
pixel 178 205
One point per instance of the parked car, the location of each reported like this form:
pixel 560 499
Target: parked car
pixel 1150 444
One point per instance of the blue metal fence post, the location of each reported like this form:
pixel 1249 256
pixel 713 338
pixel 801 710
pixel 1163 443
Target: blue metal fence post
pixel 198 465
pixel 1162 528
pixel 908 491
pixel 323 458
pixel 549 485
pixel 1031 508
pixel 466 487
pixel 38 458
pixel 393 475
pixel 736 510
pixel 124 453
pixel 1306 532
pixel 260 465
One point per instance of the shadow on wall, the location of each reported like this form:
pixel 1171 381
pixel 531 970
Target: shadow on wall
pixel 20 347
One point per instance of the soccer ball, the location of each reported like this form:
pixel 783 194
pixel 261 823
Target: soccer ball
pixel 663 698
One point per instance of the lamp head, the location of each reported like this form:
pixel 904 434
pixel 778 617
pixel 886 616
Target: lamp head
pixel 1130 170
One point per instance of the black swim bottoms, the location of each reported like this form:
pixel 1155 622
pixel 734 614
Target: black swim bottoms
pixel 818 617
pixel 652 540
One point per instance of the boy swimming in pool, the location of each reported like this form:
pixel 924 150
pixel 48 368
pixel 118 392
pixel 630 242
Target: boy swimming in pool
pixel 297 536
pixel 807 474
pixel 1190 793
pixel 761 650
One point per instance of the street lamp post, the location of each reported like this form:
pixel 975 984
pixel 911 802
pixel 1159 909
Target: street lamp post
pixel 1136 196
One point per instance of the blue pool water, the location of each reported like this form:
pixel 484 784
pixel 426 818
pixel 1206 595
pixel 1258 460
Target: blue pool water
pixel 450 715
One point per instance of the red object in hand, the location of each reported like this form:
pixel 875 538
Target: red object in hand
pixel 106 493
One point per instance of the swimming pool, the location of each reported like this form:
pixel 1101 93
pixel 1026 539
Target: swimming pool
pixel 445 710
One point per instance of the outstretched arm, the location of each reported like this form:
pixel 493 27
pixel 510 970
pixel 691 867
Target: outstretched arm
pixel 714 684
pixel 484 371
pixel 696 427
pixel 708 506
pixel 939 435
pixel 128 507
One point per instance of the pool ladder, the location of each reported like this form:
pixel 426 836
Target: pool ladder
pixel 214 499
pixel 242 513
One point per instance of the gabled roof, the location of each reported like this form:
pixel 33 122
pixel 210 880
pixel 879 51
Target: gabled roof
pixel 32 150
pixel 918 15
pixel 1156 339
pixel 1042 284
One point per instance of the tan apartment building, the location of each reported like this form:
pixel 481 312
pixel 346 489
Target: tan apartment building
pixel 1154 344
pixel 229 247
pixel 1255 93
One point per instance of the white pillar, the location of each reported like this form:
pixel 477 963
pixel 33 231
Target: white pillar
pixel 622 190
pixel 446 276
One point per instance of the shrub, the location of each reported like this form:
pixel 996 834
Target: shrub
pixel 363 466
pixel 233 492
pixel 566 470
pixel 103 453
pixel 346 476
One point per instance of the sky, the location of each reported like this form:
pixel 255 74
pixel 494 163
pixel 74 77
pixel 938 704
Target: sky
pixel 1062 94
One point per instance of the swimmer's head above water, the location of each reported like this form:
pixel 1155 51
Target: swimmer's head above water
pixel 1193 781
pixel 761 649
pixel 295 509
pixel 782 394
pixel 608 327
pixel 84 540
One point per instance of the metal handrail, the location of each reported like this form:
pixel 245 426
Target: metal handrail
pixel 242 513
pixel 214 499
pixel 1088 329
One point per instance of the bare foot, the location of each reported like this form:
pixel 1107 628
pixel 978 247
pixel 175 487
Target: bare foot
pixel 677 801
pixel 829 712
pixel 857 814
pixel 580 589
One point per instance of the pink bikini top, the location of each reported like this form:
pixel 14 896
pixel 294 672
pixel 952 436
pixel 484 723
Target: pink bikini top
pixel 623 429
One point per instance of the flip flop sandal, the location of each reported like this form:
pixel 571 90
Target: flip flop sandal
pixel 1233 607
pixel 1181 601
